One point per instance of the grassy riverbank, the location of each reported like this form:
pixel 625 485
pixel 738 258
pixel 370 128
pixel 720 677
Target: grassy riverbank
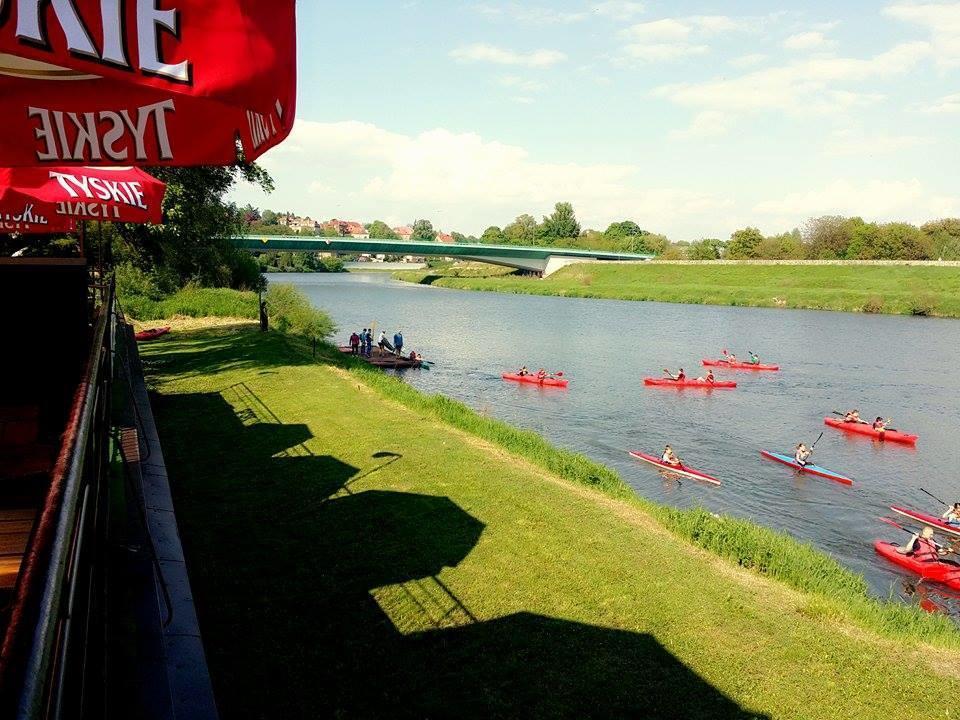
pixel 894 289
pixel 358 548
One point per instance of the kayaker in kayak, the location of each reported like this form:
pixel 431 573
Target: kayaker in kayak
pixel 921 546
pixel 523 372
pixel 541 374
pixel 754 359
pixel 730 358
pixel 669 457
pixel 853 416
pixel 802 455
pixel 679 377
pixel 879 424
pixel 952 515
pixel 708 378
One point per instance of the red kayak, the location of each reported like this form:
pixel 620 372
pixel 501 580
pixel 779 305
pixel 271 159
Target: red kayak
pixel 151 334
pixel 534 380
pixel 737 365
pixel 931 520
pixel 703 385
pixel 865 429
pixel 947 573
pixel 679 470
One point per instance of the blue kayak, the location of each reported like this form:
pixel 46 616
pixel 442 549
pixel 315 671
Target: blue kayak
pixel 809 468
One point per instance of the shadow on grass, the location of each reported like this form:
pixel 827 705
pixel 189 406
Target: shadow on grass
pixel 286 562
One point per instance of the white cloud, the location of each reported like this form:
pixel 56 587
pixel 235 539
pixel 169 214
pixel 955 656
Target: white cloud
pixel 662 51
pixel 707 124
pixel 876 199
pixel 942 20
pixel 481 52
pixel 745 61
pixel 856 143
pixel 523 100
pixel 462 180
pixel 674 38
pixel 619 9
pixel 948 104
pixel 812 85
pixel 663 30
pixel 811 40
pixel 520 84
pixel 534 15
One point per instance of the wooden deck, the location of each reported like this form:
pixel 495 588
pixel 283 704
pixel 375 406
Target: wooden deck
pixel 16 524
pixel 384 360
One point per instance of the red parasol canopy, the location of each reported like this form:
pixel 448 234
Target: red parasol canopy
pixel 54 199
pixel 104 82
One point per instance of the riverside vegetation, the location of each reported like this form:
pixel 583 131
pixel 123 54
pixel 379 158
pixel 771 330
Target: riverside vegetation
pixel 383 548
pixel 894 289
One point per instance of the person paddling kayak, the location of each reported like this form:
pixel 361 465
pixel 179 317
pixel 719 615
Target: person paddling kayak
pixel 952 515
pixel 729 357
pixel 679 377
pixel 802 455
pixel 708 378
pixel 853 416
pixel 921 546
pixel 670 458
pixel 754 359
pixel 523 372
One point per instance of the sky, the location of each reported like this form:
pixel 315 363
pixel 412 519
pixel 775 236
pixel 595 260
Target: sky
pixel 691 118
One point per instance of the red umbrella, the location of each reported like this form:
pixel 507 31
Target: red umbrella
pixel 54 199
pixel 90 82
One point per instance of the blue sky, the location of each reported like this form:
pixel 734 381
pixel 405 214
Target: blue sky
pixel 691 118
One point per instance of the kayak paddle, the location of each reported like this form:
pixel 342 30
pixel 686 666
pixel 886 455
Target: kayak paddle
pixel 935 497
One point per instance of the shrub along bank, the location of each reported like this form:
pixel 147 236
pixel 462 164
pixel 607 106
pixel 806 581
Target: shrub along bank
pixel 381 548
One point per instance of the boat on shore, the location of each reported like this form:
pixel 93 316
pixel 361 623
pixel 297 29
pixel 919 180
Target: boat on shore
pixel 384 360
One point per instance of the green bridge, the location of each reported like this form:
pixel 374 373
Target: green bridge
pixel 542 260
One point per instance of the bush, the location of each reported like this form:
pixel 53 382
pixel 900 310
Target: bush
pixel 291 312
pixel 874 304
pixel 333 264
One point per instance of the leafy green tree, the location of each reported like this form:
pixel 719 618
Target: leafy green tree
pixel 492 236
pixel 194 243
pixel 458 237
pixel 786 246
pixel 828 237
pixel 745 244
pixel 423 231
pixel 865 240
pixel 903 241
pixel 379 230
pixel 944 237
pixel 522 231
pixel 560 225
pixel 627 228
pixel 706 249
pixel 268 217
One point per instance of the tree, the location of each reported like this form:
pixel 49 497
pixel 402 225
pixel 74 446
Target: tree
pixel 560 225
pixel 627 228
pixel 828 237
pixel 944 237
pixel 458 237
pixel 744 244
pixel 268 217
pixel 250 213
pixel 522 231
pixel 492 236
pixel 903 241
pixel 786 246
pixel 423 231
pixel 379 230
pixel 706 249
pixel 193 245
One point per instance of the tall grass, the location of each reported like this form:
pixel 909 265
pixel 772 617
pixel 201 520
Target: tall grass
pixel 834 590
pixel 192 302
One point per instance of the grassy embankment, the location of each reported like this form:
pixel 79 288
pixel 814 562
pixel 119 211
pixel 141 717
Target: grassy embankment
pixel 896 289
pixel 359 548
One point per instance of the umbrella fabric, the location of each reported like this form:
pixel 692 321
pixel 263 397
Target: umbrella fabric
pixel 87 82
pixel 54 199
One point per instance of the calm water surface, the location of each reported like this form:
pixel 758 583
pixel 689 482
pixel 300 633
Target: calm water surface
pixel 884 365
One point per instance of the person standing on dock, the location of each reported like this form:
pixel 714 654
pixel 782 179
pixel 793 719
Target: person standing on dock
pixel 398 342
pixel 368 342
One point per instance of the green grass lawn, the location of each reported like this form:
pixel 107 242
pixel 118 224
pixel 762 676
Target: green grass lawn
pixel 352 556
pixel 902 290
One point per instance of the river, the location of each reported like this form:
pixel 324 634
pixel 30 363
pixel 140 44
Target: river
pixel 884 365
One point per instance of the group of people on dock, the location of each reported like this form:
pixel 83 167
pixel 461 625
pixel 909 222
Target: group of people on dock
pixel 362 343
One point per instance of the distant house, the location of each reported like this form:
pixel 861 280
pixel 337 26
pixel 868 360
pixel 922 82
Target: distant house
pixel 347 228
pixel 444 238
pixel 404 232
pixel 299 224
